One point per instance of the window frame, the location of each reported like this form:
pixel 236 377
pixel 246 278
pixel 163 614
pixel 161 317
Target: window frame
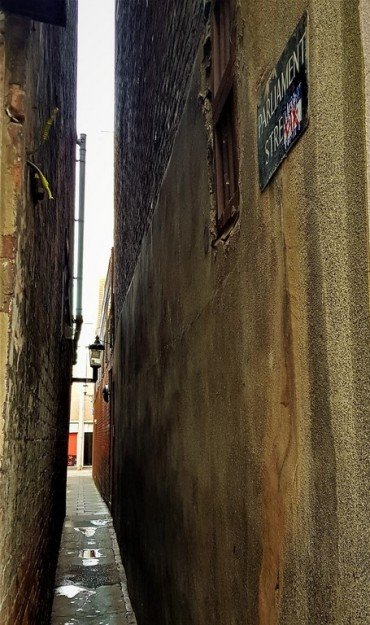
pixel 224 110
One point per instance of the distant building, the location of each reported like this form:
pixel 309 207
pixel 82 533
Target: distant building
pixel 102 282
pixel 241 352
pixel 80 439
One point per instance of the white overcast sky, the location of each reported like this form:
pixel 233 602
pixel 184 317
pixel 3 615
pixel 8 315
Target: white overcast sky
pixel 95 118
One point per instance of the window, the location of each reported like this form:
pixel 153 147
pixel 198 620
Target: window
pixel 223 112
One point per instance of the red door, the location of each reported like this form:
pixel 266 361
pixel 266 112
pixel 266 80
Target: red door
pixel 72 449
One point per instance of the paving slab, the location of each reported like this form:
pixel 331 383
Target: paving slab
pixel 89 577
pixel 109 619
pixel 77 540
pixel 91 586
pixel 102 600
pixel 89 555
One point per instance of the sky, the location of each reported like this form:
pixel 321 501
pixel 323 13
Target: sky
pixel 95 118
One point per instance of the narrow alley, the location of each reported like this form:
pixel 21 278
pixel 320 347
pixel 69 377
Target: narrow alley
pixel 184 312
pixel 91 586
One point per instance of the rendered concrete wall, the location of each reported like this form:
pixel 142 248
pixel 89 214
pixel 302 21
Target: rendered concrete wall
pixel 365 32
pixel 38 73
pixel 241 366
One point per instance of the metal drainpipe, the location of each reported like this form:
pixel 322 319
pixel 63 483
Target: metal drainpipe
pixel 80 248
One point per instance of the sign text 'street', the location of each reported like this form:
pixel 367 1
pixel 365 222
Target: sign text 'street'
pixel 282 110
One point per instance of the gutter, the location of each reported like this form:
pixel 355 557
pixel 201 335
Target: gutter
pixel 80 245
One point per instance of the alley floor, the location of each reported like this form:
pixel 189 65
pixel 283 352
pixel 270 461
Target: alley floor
pixel 90 583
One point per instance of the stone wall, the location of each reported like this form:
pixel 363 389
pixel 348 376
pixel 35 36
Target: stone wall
pixel 38 74
pixel 241 364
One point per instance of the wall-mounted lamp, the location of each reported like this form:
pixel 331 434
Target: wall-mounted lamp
pixel 106 393
pixel 96 353
pixel 96 358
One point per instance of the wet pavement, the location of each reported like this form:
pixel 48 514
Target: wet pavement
pixel 91 584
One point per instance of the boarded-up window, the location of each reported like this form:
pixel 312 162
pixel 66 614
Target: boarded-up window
pixel 49 11
pixel 225 154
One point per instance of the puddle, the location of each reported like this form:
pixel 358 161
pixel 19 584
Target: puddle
pixel 71 591
pixel 87 531
pixel 89 553
pixel 100 522
pixel 90 561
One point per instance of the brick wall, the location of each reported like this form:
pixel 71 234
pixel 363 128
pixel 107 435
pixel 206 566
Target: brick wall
pixel 102 409
pixel 38 75
pixel 153 40
pixel 102 440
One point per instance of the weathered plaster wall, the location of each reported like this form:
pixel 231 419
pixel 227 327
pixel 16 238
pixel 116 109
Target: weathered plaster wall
pixel 365 32
pixel 241 367
pixel 38 73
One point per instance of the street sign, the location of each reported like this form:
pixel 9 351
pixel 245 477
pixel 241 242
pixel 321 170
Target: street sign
pixel 282 109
